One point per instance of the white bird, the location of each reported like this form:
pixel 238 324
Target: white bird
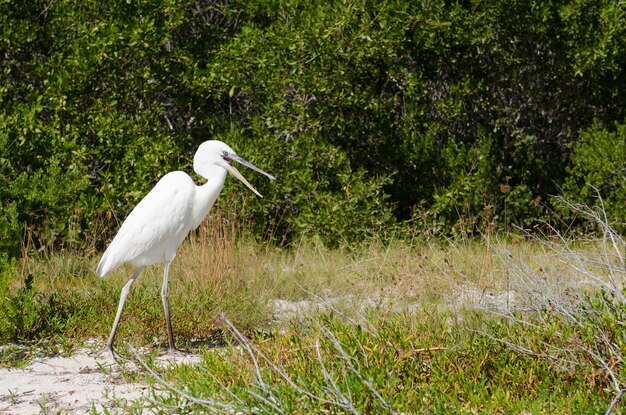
pixel 160 222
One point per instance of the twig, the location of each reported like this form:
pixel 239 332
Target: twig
pixel 275 367
pixel 335 390
pixel 257 370
pixel 614 401
pixel 209 403
pixel 348 359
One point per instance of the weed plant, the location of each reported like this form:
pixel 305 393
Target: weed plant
pixel 423 362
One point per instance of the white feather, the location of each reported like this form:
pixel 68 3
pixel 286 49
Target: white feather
pixel 161 221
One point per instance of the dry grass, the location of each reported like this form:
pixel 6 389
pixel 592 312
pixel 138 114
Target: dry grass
pixel 219 270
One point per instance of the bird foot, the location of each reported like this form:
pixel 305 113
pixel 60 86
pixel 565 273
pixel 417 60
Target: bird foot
pixel 107 353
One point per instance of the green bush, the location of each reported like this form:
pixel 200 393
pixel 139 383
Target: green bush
pixel 39 200
pixel 30 313
pixel 360 108
pixel 597 173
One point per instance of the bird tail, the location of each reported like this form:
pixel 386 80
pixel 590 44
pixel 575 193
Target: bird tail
pixel 104 268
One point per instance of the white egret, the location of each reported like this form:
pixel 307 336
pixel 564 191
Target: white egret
pixel 160 222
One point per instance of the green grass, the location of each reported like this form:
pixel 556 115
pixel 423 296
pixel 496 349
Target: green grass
pixel 407 327
pixel 428 362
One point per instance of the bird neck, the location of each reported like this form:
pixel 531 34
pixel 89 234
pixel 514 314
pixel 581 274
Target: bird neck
pixel 207 194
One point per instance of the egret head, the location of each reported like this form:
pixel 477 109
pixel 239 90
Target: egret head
pixel 216 153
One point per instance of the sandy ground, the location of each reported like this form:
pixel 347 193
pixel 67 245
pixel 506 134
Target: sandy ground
pixel 84 381
pixel 73 385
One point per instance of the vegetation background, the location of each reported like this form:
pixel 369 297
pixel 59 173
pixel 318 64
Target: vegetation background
pixel 382 120
pixel 443 117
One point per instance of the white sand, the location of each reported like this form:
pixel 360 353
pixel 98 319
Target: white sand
pixel 72 385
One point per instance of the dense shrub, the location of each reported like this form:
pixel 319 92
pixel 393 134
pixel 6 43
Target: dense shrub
pixel 597 174
pixel 449 116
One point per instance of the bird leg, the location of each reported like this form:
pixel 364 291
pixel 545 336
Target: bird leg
pixel 120 307
pixel 164 297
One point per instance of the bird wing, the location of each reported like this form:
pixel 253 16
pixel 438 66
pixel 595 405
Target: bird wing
pixel 159 222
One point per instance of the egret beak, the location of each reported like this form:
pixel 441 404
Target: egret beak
pixel 238 175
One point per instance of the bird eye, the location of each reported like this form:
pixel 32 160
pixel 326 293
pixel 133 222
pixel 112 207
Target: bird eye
pixel 225 155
